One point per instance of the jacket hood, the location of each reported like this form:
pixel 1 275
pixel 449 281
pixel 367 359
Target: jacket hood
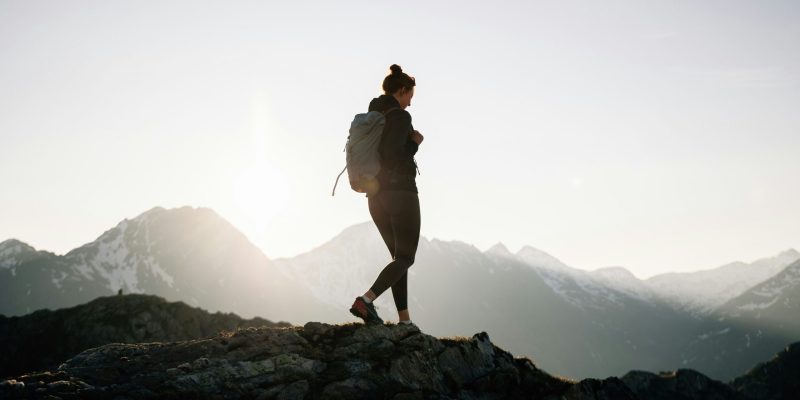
pixel 383 103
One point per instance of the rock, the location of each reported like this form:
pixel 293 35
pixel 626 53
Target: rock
pixel 417 371
pixel 15 388
pixel 357 367
pixel 201 362
pixel 350 361
pixel 409 396
pixel 316 329
pixel 350 388
pixel 593 389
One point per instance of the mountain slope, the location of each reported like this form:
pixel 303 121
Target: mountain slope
pixel 775 379
pixel 749 328
pixel 683 384
pixel 576 327
pixel 775 302
pixel 184 254
pixel 704 291
pixel 31 279
pixel 46 338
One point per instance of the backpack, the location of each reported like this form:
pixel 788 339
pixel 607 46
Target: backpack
pixel 363 161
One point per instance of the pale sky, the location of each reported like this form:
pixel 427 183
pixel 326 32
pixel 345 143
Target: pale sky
pixel 658 136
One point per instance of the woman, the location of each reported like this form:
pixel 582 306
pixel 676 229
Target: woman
pixel 394 206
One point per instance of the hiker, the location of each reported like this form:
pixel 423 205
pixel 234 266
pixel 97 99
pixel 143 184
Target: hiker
pixel 394 205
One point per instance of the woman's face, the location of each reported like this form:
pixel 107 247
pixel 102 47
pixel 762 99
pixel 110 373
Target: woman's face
pixel 404 96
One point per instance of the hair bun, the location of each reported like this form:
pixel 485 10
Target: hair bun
pixel 397 80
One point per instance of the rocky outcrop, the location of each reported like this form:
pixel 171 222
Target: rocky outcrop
pixel 683 384
pixel 45 339
pixel 776 379
pixel 351 361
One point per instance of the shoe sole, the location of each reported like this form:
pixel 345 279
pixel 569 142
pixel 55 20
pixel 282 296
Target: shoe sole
pixel 366 321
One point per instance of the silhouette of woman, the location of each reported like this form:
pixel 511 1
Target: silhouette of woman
pixel 394 206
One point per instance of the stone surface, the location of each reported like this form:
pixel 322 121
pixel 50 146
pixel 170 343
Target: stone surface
pixel 356 361
pixel 351 361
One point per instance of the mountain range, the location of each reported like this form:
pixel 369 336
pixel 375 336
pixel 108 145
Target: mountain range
pixel 142 347
pixel 572 322
pixel 187 254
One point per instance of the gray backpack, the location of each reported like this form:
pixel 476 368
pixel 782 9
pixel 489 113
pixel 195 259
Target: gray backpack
pixel 363 161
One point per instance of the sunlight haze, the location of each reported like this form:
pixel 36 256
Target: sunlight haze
pixel 657 136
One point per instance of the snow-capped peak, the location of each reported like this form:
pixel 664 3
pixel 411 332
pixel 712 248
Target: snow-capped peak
pixel 621 279
pixel 704 291
pixel 500 250
pixel 150 213
pixel 121 254
pixel 14 246
pixel 785 257
pixel 772 288
pixel 10 249
pixel 538 258
pixel 615 273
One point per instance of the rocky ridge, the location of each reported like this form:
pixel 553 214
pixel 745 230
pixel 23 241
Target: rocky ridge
pixel 775 379
pixel 683 384
pixel 317 360
pixel 45 339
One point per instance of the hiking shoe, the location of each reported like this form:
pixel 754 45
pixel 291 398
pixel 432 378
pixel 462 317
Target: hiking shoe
pixel 365 311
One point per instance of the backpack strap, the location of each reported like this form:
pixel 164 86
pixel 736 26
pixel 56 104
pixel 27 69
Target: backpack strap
pixel 333 192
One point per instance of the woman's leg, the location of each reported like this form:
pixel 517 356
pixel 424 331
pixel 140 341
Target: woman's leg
pixel 383 221
pixel 404 217
pixel 380 216
pixel 411 234
pixel 400 294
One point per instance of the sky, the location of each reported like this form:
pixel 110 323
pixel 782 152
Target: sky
pixel 654 135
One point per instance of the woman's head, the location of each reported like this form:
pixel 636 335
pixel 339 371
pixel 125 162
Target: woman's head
pixel 400 85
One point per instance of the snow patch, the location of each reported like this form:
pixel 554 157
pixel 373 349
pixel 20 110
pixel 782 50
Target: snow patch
pixel 8 262
pixel 710 334
pixel 8 251
pixel 84 270
pixel 57 280
pixel 757 306
pixel 116 264
pixel 704 291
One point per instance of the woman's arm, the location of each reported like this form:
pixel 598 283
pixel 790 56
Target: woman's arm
pixel 397 143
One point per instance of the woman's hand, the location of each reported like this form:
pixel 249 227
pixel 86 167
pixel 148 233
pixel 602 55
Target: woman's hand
pixel 417 137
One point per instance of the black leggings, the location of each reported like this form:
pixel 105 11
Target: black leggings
pixel 396 214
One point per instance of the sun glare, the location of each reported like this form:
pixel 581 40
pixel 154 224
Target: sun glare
pixel 260 194
pixel 260 188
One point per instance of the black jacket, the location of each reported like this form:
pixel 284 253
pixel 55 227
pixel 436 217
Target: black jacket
pixel 398 169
